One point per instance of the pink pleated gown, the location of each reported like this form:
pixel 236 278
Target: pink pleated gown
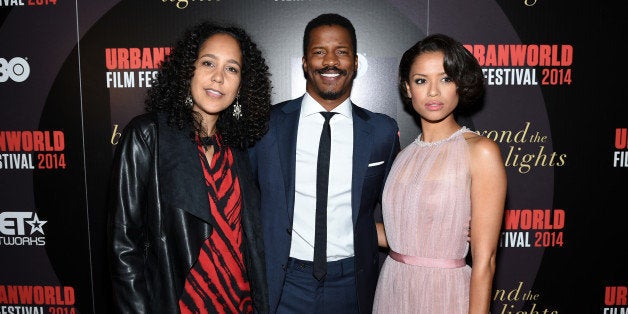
pixel 426 208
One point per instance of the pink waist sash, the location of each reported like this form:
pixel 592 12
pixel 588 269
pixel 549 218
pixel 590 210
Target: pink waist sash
pixel 427 262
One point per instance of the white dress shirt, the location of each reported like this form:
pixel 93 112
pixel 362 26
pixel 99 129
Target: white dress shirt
pixel 339 212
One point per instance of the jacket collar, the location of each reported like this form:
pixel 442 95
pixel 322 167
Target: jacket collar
pixel 182 185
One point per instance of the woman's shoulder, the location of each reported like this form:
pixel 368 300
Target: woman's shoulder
pixel 485 155
pixel 143 121
pixel 481 146
pixel 143 125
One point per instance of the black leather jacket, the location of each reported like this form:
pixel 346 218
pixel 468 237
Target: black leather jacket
pixel 159 218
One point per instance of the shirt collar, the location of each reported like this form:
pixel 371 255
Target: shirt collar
pixel 310 106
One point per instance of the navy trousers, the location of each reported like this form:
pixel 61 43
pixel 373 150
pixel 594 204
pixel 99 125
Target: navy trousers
pixel 302 293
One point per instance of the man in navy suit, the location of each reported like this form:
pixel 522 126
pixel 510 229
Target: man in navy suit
pixel 363 146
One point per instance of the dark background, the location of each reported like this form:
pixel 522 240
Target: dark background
pixel 64 44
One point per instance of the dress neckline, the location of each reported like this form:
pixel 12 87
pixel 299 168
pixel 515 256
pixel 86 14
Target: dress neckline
pixel 420 142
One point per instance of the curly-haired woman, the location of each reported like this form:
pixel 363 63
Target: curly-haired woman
pixel 184 230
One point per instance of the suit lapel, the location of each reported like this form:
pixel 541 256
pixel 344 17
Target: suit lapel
pixel 286 129
pixel 361 153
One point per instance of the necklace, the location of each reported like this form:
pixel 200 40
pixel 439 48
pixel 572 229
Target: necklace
pixel 419 139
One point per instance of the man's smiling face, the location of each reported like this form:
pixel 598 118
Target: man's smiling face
pixel 330 64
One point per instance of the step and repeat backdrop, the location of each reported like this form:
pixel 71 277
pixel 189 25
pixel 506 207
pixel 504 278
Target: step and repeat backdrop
pixel 73 73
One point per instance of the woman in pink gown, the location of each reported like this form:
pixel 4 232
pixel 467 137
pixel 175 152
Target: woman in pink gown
pixel 445 193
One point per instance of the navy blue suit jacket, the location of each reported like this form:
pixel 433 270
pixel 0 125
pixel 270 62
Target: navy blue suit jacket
pixel 375 139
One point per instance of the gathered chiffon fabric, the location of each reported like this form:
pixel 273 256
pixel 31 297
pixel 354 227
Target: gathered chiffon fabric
pixel 426 208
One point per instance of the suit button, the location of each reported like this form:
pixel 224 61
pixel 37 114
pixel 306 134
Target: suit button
pixel 289 231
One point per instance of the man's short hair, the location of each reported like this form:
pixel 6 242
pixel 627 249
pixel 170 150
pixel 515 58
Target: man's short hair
pixel 329 19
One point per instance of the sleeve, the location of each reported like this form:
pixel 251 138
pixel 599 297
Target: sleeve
pixel 125 231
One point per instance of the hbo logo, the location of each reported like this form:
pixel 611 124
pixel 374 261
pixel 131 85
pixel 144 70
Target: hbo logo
pixel 16 69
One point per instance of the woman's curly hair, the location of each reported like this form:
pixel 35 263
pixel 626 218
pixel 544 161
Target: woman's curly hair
pixel 172 85
pixel 459 64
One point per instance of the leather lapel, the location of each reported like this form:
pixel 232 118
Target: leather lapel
pixel 181 177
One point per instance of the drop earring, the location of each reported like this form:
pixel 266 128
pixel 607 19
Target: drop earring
pixel 188 101
pixel 237 109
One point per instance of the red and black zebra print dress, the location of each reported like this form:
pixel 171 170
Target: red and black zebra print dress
pixel 217 282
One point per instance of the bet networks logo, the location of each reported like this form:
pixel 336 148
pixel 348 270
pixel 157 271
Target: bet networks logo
pixel 21 229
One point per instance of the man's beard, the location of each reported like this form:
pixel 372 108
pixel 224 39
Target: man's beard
pixel 331 95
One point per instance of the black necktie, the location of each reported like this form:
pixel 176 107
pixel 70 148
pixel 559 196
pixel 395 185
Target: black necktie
pixel 322 180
